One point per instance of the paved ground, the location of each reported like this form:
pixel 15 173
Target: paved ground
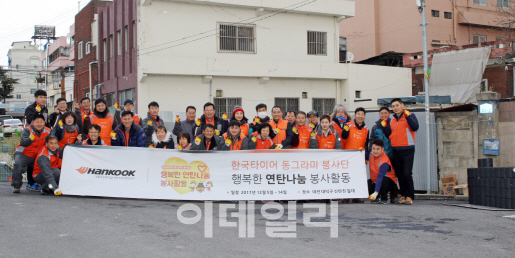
pixel 60 226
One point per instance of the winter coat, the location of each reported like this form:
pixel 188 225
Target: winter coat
pixel 136 137
pixel 149 126
pixel 167 143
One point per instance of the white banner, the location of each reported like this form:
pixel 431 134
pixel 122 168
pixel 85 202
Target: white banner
pixel 200 175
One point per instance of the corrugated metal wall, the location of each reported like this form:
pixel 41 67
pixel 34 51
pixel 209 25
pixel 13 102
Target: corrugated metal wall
pixel 419 166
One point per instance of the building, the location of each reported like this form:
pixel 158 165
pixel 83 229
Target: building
pixel 24 65
pixel 85 43
pixel 58 71
pixel 277 52
pixel 497 77
pixel 383 26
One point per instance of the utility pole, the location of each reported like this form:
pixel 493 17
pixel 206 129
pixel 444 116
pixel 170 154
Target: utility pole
pixel 422 6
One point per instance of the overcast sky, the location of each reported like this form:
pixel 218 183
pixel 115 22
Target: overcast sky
pixel 18 17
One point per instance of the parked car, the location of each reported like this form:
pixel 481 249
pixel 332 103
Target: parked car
pixel 12 125
pixel 4 117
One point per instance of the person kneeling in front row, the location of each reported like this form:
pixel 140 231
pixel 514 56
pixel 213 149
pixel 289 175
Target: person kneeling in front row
pixel 162 139
pixel 208 140
pixel 47 168
pixel 382 176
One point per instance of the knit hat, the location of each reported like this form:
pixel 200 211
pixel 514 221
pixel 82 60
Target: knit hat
pixel 100 100
pixel 238 109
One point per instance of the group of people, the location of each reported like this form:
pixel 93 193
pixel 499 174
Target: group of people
pixel 389 145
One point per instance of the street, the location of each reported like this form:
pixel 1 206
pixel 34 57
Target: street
pixel 69 226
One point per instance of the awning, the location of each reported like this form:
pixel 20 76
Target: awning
pixel 458 73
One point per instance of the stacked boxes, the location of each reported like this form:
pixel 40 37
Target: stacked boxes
pixel 494 187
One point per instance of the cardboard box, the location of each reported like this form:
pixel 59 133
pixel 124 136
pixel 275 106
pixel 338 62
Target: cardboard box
pixel 448 184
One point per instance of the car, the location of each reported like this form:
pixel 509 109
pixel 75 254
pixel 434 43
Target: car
pixel 12 125
pixel 4 117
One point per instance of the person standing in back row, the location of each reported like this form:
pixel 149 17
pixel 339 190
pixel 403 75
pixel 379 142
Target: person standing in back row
pixel 220 124
pixel 152 121
pixel 401 131
pixel 189 125
pixel 103 118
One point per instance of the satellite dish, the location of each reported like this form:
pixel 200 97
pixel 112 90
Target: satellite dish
pixel 350 56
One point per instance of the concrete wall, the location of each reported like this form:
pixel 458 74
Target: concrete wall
pixel 507 133
pixel 457 141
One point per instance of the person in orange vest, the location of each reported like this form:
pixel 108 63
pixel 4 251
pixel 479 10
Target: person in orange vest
pixel 327 137
pixel 94 137
pixel 401 131
pixel 128 105
pixel 221 124
pixel 128 134
pixel 262 117
pixel 82 111
pixel 47 168
pixel 301 133
pixel 234 139
pixel 162 139
pixel 67 130
pixel 355 133
pixel 208 140
pixel 282 129
pixel 104 119
pixel 339 118
pixel 239 115
pixel 382 175
pixel 152 121
pixel 260 139
pixel 183 139
pixel 32 140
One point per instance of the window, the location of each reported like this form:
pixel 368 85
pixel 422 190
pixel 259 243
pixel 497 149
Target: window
pixel 503 3
pixel 124 95
pixel 476 39
pixel 134 34
pixel 111 46
pixel 484 85
pixel 88 48
pixel 237 38
pixel 317 43
pixel 119 39
pixel 109 98
pixel 126 38
pixel 79 50
pixel 105 50
pixel 18 96
pixel 287 104
pixel 323 106
pixel 32 91
pixel 358 94
pixel 480 2
pixel 226 105
pixel 447 15
pixel 343 49
pixel 435 13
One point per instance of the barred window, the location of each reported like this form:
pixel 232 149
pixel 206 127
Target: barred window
pixel 317 43
pixel 237 38
pixel 323 106
pixel 226 105
pixel 287 104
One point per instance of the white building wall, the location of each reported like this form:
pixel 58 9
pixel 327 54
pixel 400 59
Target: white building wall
pixel 25 64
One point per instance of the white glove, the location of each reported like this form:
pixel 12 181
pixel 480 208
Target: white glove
pixel 57 192
pixel 279 146
pixel 373 196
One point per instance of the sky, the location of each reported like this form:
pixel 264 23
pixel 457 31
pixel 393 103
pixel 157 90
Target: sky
pixel 17 20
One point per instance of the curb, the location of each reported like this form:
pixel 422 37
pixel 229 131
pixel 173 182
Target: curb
pixel 441 197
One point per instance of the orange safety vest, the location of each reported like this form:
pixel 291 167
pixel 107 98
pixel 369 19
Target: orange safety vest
pixel 137 119
pixel 282 125
pixel 326 142
pixel 39 141
pixel 402 135
pixel 339 130
pixel 304 135
pixel 237 144
pixel 84 113
pixel 106 125
pixel 263 144
pixel 55 161
pixel 376 162
pixel 85 142
pixel 357 138
pixel 245 129
pixel 69 138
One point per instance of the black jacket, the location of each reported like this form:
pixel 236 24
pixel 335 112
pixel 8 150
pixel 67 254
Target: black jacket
pixel 30 112
pixel 221 125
